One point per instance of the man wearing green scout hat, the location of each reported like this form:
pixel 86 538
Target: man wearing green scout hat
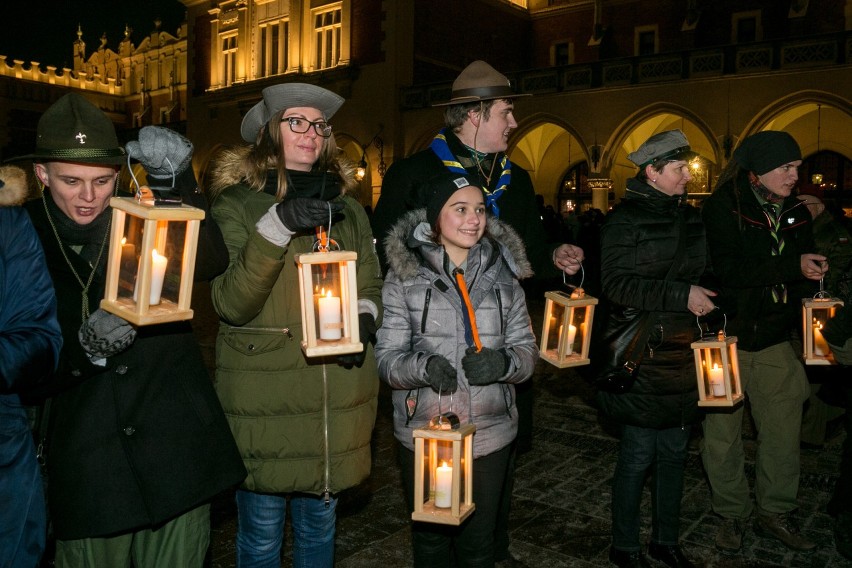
pixel 138 441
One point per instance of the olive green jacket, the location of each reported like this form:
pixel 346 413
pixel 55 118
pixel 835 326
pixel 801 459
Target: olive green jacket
pixel 301 424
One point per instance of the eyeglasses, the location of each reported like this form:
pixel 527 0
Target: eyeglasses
pixel 302 125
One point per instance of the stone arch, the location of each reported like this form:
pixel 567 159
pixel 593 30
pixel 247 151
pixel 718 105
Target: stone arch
pixel 547 147
pixel 805 113
pixel 649 120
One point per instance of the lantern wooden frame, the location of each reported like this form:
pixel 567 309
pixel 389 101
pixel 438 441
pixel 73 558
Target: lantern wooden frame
pixel 119 292
pixel 343 262
pixel 720 351
pixel 815 312
pixel 427 443
pixel 578 311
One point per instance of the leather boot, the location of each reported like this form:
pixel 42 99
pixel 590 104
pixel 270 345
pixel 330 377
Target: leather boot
pixel 782 527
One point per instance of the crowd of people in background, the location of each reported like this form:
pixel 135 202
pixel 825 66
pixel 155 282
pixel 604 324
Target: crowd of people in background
pixel 135 439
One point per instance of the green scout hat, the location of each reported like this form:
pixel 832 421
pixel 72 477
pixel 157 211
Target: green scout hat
pixel 75 130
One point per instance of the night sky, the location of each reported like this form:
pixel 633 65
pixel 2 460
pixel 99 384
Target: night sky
pixel 45 30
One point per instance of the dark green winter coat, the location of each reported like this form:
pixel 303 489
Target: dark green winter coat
pixel 301 424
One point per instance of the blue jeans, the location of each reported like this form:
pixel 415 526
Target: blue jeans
pixel 663 452
pixel 260 529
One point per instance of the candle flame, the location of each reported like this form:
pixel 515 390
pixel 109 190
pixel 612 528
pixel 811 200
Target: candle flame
pixel 155 254
pixel 123 241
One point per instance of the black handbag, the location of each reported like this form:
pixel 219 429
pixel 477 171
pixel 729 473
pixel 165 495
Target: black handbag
pixel 626 345
pixel 626 335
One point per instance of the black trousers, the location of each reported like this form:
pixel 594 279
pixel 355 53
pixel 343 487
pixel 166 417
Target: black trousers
pixel 472 543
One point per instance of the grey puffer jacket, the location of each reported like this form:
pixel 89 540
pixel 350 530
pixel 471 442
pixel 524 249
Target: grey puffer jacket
pixel 423 316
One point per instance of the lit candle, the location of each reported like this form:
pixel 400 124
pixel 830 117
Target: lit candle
pixel 329 317
pixel 158 275
pixel 572 333
pixel 717 380
pixel 820 345
pixel 443 485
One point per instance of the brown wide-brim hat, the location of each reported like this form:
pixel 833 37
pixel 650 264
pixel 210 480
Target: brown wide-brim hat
pixel 288 95
pixel 75 130
pixel 480 82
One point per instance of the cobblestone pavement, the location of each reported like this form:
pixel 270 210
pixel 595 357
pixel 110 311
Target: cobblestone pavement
pixel 561 502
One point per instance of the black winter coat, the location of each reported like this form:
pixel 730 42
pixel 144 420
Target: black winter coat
pixel 137 442
pixel 740 246
pixel 639 241
pixel 518 208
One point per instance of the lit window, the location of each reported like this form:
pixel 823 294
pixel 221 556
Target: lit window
pixel 229 59
pixel 274 48
pixel 327 34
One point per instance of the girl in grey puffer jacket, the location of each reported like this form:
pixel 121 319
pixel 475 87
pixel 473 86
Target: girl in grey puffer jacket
pixel 426 345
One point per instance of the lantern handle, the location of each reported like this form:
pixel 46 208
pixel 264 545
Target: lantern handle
pixel 582 279
pixel 704 330
pixel 138 193
pixel 822 294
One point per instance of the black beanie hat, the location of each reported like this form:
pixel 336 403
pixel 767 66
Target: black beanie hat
pixel 765 151
pixel 439 189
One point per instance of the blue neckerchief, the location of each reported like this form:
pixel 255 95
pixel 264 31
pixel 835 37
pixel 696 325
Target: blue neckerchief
pixel 442 150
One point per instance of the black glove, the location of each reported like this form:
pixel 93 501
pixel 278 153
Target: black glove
pixel 484 367
pixel 305 213
pixel 367 334
pixel 105 334
pixel 441 374
pixel 155 145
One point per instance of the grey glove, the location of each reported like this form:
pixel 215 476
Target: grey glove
pixel 305 213
pixel 441 374
pixel 484 367
pixel 157 143
pixel 105 334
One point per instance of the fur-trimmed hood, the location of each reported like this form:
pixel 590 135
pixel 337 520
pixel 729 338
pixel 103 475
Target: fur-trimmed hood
pixel 412 226
pixel 13 186
pixel 229 169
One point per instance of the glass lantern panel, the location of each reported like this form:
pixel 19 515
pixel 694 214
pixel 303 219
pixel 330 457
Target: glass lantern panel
pixel 820 317
pixel 327 285
pixel 555 327
pixel 166 262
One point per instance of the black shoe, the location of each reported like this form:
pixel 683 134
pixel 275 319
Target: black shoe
pixel 625 559
pixel 670 555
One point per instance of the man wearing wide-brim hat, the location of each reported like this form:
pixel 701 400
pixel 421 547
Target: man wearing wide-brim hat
pixel 138 443
pixel 478 119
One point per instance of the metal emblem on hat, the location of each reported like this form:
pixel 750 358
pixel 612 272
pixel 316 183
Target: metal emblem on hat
pixel 460 182
pixel 790 220
pixel 81 137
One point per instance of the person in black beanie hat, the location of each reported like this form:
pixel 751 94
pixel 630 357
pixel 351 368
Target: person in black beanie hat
pixel 138 442
pixel 456 323
pixel 762 252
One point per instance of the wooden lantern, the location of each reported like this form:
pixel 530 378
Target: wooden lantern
pixel 329 293
pixel 443 475
pixel 717 371
pixel 815 313
pixel 151 261
pixel 567 328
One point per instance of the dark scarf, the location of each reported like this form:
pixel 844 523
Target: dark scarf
pixel 318 185
pixel 764 191
pixel 72 235
pixel 451 151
